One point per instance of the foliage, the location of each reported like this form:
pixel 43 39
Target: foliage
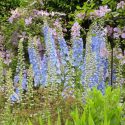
pixel 98 109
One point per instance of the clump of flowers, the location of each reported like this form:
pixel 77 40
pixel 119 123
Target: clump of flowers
pixel 119 32
pixel 75 30
pixel 28 21
pixel 121 5
pixel 109 30
pixel 81 16
pixel 120 55
pixel 116 32
pixel 15 14
pixel 101 12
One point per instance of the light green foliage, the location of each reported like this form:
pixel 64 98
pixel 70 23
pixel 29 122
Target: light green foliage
pixel 100 109
pixel 97 110
pixel 104 108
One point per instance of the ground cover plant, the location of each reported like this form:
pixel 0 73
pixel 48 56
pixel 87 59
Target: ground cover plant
pixel 62 62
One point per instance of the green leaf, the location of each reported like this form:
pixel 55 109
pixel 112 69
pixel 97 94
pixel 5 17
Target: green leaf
pixel 40 121
pixel 90 119
pixel 78 7
pixel 29 122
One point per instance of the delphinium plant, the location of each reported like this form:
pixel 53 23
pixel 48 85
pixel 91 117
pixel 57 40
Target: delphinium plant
pixel 10 97
pixel 20 82
pixel 77 53
pixel 95 64
pixel 35 62
pixel 64 56
pixel 54 72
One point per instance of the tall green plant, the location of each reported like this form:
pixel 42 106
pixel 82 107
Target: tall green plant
pixel 100 109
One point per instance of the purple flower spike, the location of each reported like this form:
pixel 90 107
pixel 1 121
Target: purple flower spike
pixel 54 71
pixel 77 52
pixel 64 52
pixel 96 60
pixel 44 70
pixel 34 60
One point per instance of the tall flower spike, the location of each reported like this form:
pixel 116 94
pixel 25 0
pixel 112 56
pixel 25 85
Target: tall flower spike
pixel 64 52
pixel 75 30
pixel 64 56
pixel 77 52
pixel 18 78
pixel 53 75
pixel 34 60
pixel 77 49
pixel 96 62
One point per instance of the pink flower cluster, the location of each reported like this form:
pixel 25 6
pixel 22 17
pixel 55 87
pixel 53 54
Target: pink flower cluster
pixel 119 33
pixel 57 24
pixel 103 50
pixel 6 55
pixel 75 30
pixel 121 5
pixel 54 33
pixel 101 11
pixel 15 14
pixel 119 55
pixel 109 30
pixel 116 32
pixel 28 21
pixel 80 16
